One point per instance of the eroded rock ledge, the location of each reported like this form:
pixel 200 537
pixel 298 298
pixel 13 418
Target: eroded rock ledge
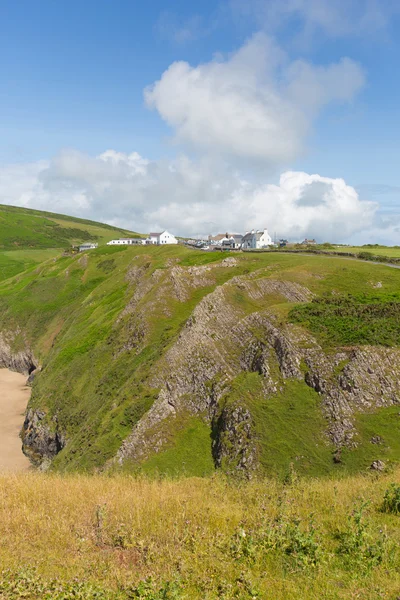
pixel 219 342
pixel 20 360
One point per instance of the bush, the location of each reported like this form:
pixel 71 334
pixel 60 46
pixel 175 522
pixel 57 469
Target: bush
pixel 347 320
pixel 360 546
pixel 391 500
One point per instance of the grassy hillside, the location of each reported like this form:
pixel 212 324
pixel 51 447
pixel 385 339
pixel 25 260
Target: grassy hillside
pixel 114 538
pixel 391 251
pixel 22 228
pixel 103 327
pixel 17 261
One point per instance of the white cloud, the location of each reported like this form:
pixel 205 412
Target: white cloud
pixel 186 197
pixel 256 105
pixel 335 18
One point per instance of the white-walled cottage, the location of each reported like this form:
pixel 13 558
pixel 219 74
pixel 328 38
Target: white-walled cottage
pixel 164 237
pixel 87 246
pixel 256 239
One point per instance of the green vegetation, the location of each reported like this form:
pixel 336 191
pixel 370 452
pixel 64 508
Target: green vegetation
pixel 374 249
pixel 100 325
pixel 391 501
pixel 169 526
pixel 345 320
pixel 99 360
pixel 13 262
pixel 120 537
pixel 26 228
pixel 289 426
pixel 187 452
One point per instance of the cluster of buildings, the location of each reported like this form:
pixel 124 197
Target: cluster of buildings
pixel 159 239
pixel 235 241
pixel 252 240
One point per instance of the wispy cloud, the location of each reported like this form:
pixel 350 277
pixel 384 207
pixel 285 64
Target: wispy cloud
pixel 181 31
pixel 335 18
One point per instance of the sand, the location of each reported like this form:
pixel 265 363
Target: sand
pixel 14 396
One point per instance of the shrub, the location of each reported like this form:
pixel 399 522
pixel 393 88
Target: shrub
pixel 391 500
pixel 358 544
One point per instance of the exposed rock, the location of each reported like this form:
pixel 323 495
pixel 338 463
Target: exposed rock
pixel 32 376
pixel 234 446
pixel 22 361
pixel 229 262
pixel 378 465
pixel 258 288
pixel 376 440
pixel 40 441
pixel 217 343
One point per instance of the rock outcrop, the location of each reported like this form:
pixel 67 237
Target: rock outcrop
pixel 14 358
pixel 220 341
pixel 40 442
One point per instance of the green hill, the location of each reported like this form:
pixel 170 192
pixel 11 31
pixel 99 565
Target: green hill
pixel 169 360
pixel 22 228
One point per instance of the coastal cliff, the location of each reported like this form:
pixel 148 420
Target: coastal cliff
pixel 169 360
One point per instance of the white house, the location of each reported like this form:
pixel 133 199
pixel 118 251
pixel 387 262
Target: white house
pixel 161 238
pixel 87 246
pixel 127 241
pixel 256 239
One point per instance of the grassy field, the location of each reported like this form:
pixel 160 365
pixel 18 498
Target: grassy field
pixel 22 228
pixel 17 261
pixel 391 251
pixel 119 537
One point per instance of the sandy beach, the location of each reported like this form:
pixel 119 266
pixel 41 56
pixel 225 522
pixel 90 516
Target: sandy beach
pixel 14 396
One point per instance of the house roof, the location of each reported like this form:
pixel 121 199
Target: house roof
pixel 155 234
pixel 247 236
pixel 218 237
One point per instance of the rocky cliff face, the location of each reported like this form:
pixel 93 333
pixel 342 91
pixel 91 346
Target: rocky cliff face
pixel 20 360
pixel 220 341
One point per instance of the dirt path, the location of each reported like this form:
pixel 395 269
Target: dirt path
pixel 14 396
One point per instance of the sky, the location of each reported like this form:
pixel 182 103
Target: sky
pixel 205 116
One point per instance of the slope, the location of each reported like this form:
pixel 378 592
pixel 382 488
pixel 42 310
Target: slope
pixel 177 361
pixel 22 228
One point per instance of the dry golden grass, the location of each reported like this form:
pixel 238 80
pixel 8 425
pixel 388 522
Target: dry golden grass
pixel 202 533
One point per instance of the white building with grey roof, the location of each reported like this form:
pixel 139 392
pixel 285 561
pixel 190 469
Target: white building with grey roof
pixel 256 240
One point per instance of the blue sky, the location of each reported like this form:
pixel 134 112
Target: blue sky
pixel 73 79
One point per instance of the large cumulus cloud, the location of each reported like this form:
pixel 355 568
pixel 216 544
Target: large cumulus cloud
pixel 188 197
pixel 255 105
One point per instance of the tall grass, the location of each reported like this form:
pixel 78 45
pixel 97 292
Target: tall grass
pixel 124 537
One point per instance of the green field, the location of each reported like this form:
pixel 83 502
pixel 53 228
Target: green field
pixel 22 228
pixel 391 251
